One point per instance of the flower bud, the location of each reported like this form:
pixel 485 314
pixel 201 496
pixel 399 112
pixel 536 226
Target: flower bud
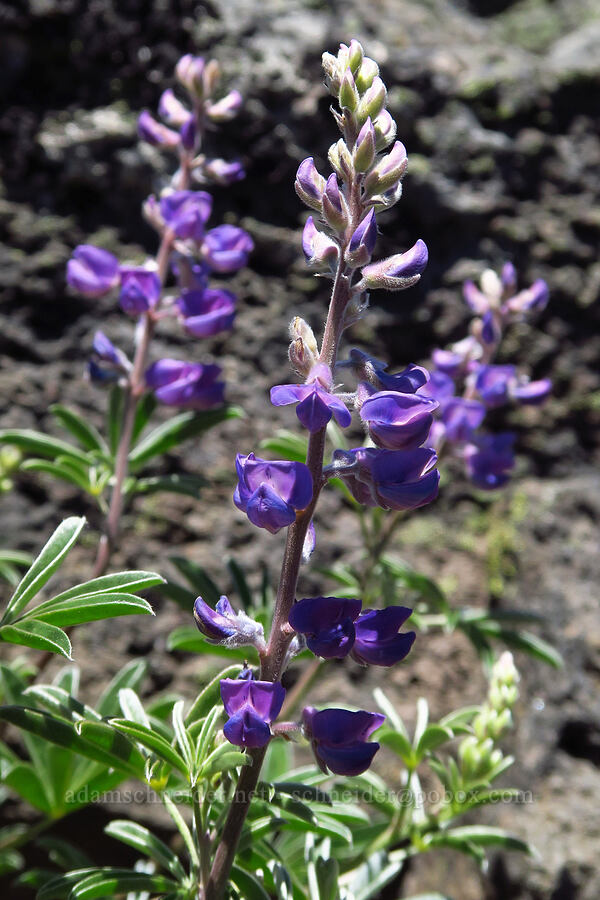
pixel 332 72
pixel 385 130
pixel 348 95
pixel 372 102
pixel 335 208
pixel 225 109
pixel 223 172
pixel 509 278
pixel 309 184
pixel 154 133
pixel 303 351
pixel 491 286
pixel 355 56
pixel 321 252
pixel 388 171
pixel 189 71
pixel 341 161
pixel 396 273
pixel 362 242
pixel 364 149
pixel 369 70
pixel 171 110
pixel 210 77
pixel 188 133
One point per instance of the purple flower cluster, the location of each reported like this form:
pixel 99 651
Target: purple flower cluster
pixel 252 706
pixel 194 252
pixel 467 383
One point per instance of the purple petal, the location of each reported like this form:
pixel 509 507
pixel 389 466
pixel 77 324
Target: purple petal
pixel 532 393
pixel 187 212
pixel 247 729
pixel 266 509
pixel 214 624
pixel 350 760
pixel 92 271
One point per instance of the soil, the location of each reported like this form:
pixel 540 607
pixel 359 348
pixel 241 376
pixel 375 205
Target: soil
pixel 497 105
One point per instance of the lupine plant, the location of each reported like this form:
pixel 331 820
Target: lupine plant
pixel 175 283
pixel 255 821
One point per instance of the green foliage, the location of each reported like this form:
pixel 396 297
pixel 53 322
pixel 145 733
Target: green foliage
pixel 89 463
pixel 41 627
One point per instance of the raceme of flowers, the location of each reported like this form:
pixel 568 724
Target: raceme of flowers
pixel 396 469
pixel 190 251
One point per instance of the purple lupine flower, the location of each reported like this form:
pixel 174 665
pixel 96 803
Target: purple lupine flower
pixel 396 273
pixel 362 242
pixel 335 209
pixel 189 71
pixel 106 351
pixel 493 384
pixel 223 172
pixel 92 271
pixel 440 387
pixel 187 212
pixel 319 249
pixel 316 403
pixel 410 380
pixel 327 623
pixel 155 133
pixel 187 385
pixel 340 738
pixel 461 418
pixel 222 625
pixel 531 393
pixel 188 133
pixel 207 312
pixel 309 184
pixel 171 109
pixel 475 298
pixel 364 148
pixel 271 492
pixel 140 289
pixel 392 479
pixel 251 706
pixel 388 171
pixel 377 640
pixel 225 109
pixel 490 460
pixel 226 248
pixel 490 329
pixel 447 361
pixel 398 421
pixel 508 277
pixel 534 298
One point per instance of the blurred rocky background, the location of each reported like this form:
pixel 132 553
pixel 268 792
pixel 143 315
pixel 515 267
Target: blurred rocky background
pixel 497 103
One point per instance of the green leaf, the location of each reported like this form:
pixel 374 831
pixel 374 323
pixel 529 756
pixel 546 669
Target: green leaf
pixel 104 883
pixel 197 578
pixel 63 853
pixel 189 485
pixel 41 444
pixel 114 417
pixel 184 831
pixel 222 758
pixel 483 836
pixel 143 412
pixel 57 700
pixel 130 676
pixel 286 445
pixel 176 430
pixel 424 586
pixel 432 738
pixel 120 582
pixel 248 885
pixel 528 643
pixel 327 874
pixel 460 717
pixel 96 740
pixel 241 585
pixel 142 839
pixel 400 744
pixel 183 739
pixel 91 608
pixel 57 470
pixel 44 566
pixel 152 741
pixel 132 707
pixel 88 436
pixel 38 635
pixel 24 780
pixel 391 712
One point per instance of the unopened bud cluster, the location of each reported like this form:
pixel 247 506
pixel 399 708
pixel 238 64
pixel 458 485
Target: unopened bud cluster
pixel 478 753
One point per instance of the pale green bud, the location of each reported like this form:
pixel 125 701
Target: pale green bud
pixel 332 72
pixel 355 56
pixel 348 95
pixel 388 171
pixel 369 70
pixel 372 102
pixel 211 76
pixel 364 149
pixel 341 161
pixel 385 130
pixel 303 351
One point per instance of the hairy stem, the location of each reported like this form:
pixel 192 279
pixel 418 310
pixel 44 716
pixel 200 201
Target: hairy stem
pixel 274 657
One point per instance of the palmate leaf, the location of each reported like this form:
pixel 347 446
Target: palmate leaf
pixel 176 430
pixel 97 741
pixel 44 566
pixel 41 444
pixel 90 608
pixel 119 582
